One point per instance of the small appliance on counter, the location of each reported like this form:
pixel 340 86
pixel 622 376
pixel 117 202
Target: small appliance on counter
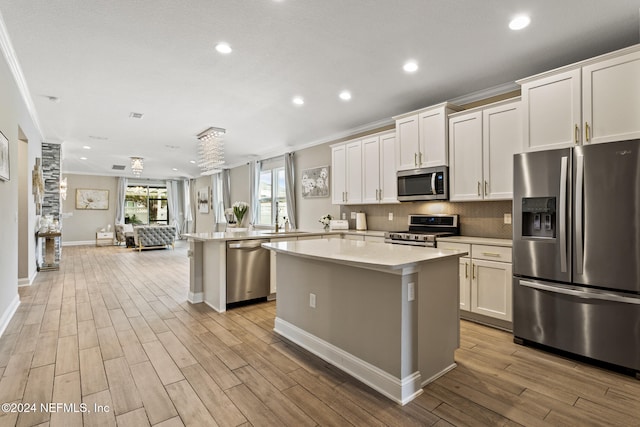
pixel 338 224
pixel 361 221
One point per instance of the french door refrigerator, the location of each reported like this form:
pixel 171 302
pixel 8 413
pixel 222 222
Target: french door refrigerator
pixel 576 251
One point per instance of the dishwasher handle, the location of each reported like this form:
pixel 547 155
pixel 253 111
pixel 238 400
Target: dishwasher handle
pixel 248 244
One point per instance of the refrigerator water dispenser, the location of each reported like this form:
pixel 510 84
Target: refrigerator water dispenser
pixel 539 217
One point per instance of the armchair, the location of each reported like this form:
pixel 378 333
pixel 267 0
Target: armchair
pixel 124 234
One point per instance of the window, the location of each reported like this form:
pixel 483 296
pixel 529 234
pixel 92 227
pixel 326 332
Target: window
pixel 146 205
pixel 272 196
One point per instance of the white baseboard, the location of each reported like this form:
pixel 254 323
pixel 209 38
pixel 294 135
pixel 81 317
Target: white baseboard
pixel 212 306
pixel 8 314
pixel 401 391
pixel 195 297
pixel 79 243
pixel 28 281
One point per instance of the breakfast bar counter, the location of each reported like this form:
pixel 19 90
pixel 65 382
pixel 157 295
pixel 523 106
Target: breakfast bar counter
pixel 386 314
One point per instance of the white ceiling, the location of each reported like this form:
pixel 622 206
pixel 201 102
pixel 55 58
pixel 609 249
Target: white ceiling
pixel 106 59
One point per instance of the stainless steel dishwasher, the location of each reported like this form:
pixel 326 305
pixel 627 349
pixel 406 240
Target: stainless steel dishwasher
pixel 248 270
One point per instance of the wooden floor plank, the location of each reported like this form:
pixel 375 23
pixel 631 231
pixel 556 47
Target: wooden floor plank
pixel 113 328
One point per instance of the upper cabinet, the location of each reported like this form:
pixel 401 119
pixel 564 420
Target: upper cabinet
pixel 591 102
pixel 379 181
pixel 363 170
pixel 346 173
pixel 482 142
pixel 421 137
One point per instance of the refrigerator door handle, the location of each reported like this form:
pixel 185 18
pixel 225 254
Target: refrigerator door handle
pixel 580 292
pixel 579 208
pixel 562 220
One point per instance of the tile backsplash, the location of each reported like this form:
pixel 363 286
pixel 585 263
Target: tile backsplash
pixel 481 219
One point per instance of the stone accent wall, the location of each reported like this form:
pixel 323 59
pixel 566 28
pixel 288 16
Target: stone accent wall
pixel 51 155
pixel 51 166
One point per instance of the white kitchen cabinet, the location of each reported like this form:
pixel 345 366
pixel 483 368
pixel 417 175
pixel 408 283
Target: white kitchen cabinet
pixel 379 182
pixel 422 137
pixel 485 279
pixel 594 101
pixel 482 142
pixel 346 173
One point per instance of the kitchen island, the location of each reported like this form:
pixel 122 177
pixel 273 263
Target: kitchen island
pixel 386 314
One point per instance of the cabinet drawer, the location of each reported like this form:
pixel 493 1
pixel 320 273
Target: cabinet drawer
pixel 465 247
pixel 104 235
pixel 492 253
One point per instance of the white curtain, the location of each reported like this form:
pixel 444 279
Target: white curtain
pixel 226 188
pixel 186 201
pixel 173 202
pixel 121 194
pixel 254 167
pixel 194 206
pixel 290 180
pixel 217 198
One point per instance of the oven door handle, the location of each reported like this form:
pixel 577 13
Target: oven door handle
pixel 580 292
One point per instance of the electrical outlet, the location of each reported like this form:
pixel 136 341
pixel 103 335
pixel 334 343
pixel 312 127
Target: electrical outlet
pixel 353 215
pixel 411 291
pixel 344 215
pixel 390 216
pixel 312 300
pixel 507 218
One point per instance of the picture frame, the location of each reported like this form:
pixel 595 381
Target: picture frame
pixel 5 173
pixel 203 200
pixel 315 182
pixel 92 199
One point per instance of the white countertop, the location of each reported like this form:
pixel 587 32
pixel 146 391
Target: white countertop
pixel 477 240
pixel 362 253
pixel 268 234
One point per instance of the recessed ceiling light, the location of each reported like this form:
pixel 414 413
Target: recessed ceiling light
pixel 345 95
pixel 519 22
pixel 223 47
pixel 86 147
pixel 174 169
pixel 136 115
pixel 53 99
pixel 410 67
pixel 298 100
pixel 83 158
pixel 193 162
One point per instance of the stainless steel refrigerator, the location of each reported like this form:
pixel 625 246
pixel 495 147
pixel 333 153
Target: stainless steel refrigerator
pixel 576 251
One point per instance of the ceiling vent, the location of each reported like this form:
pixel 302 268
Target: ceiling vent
pixel 118 167
pixel 136 115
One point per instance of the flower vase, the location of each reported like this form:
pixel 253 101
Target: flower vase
pixel 326 227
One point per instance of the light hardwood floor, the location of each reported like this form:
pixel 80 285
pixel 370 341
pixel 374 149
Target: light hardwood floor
pixel 113 328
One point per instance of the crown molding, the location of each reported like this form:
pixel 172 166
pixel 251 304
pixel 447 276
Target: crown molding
pixel 485 93
pixel 12 61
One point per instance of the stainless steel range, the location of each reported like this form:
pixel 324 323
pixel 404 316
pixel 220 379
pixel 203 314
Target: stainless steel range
pixel 424 230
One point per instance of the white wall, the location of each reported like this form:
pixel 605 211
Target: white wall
pixel 82 225
pixel 205 222
pixel 13 116
pixel 240 178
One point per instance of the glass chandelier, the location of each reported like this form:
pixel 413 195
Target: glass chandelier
pixel 211 150
pixel 136 166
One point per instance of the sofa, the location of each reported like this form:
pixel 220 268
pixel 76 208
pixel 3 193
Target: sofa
pixel 154 236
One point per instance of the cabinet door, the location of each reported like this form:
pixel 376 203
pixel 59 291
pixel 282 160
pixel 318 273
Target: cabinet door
pixel 388 176
pixel 433 138
pixel 370 170
pixel 551 111
pixel 465 284
pixel 407 143
pixel 491 289
pixel 465 172
pixel 354 172
pixel 611 100
pixel 338 174
pixel 501 139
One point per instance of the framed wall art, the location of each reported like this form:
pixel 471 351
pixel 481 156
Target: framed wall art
pixel 315 182
pixel 203 200
pixel 4 158
pixel 90 199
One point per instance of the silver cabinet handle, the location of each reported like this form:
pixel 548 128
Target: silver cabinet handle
pixel 486 188
pixel 415 159
pixel 491 254
pixel 562 214
pixel 586 131
pixel 576 135
pixel 420 157
pixel 466 270
pixel 479 188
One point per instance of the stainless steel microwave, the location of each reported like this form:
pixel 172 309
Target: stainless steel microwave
pixel 423 184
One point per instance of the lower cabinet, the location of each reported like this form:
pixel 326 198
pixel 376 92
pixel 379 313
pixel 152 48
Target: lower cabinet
pixel 485 280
